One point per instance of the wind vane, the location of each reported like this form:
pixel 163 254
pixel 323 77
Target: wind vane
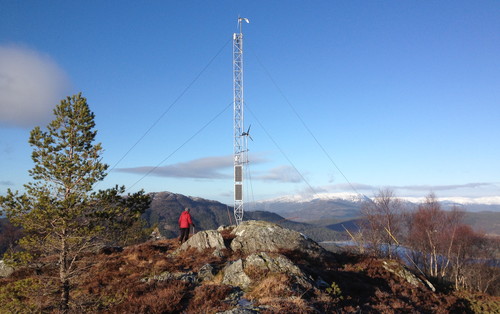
pixel 240 20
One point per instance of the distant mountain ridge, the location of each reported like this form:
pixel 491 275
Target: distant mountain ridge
pixel 353 197
pixel 324 209
pixel 322 219
pixel 312 210
pixel 348 205
pixel 208 214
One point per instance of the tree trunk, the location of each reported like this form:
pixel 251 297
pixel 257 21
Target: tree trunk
pixel 63 277
pixel 65 296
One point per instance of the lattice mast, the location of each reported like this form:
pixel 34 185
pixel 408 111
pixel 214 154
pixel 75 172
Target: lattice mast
pixel 240 136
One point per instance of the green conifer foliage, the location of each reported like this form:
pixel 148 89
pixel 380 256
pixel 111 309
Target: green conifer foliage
pixel 59 213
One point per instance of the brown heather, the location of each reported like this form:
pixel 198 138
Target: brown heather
pixel 124 282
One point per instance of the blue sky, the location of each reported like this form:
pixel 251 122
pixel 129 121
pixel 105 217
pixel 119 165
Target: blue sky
pixel 399 94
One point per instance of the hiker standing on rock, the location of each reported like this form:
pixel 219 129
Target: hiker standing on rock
pixel 185 222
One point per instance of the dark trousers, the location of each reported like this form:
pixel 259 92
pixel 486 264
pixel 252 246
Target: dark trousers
pixel 184 235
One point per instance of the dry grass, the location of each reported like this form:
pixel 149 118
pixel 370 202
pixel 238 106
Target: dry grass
pixel 288 305
pixel 164 298
pixel 123 282
pixel 226 233
pixel 209 299
pixel 274 285
pixel 194 260
pixel 256 273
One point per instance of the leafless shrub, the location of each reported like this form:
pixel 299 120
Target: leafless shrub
pixel 383 217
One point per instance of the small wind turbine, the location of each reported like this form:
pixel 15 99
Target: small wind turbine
pixel 247 133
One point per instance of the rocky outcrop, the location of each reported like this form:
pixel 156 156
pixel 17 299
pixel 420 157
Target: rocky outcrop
pixel 401 271
pixel 236 273
pixel 206 272
pixel 261 236
pixel 276 264
pixel 156 235
pixel 5 270
pixel 254 237
pixel 210 239
pixel 189 277
pixel 261 243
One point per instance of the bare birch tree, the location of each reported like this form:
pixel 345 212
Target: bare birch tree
pixel 383 218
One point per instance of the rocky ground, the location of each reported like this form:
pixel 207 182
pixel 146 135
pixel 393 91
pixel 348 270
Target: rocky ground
pixel 254 267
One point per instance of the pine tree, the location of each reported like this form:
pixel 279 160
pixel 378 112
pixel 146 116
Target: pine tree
pixel 59 213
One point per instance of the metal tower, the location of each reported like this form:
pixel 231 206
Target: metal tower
pixel 240 136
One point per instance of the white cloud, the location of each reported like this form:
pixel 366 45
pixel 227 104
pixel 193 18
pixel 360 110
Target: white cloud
pixel 31 85
pixel 202 168
pixel 444 187
pixel 350 187
pixel 281 174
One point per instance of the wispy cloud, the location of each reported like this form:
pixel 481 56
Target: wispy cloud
pixel 280 174
pixel 218 167
pixel 202 168
pixel 31 85
pixel 444 187
pixel 6 183
pixel 341 187
pixel 411 190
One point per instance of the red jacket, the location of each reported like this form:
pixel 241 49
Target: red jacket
pixel 185 220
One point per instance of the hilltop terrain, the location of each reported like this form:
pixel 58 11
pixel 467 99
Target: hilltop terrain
pixel 257 266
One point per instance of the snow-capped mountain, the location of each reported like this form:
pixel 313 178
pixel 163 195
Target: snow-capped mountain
pixel 347 205
pixel 298 198
pixel 353 197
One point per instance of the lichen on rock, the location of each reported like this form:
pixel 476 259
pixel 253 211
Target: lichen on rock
pixel 261 236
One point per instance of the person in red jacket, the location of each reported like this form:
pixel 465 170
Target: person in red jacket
pixel 185 222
